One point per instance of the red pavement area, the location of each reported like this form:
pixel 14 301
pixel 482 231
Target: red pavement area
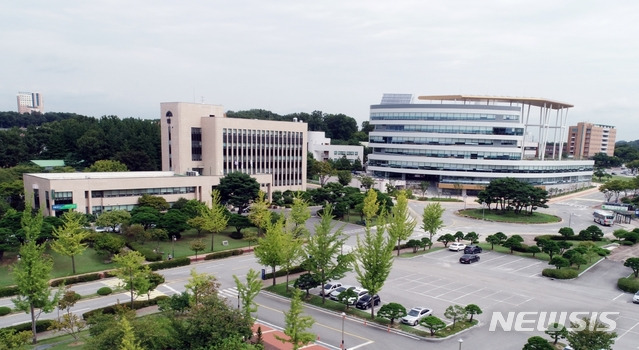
pixel 272 343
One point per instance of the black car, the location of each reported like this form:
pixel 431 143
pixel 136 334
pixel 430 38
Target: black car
pixel 365 301
pixel 468 258
pixel 472 249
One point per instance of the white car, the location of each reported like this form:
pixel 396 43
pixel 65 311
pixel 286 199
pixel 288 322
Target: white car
pixel 415 315
pixel 635 299
pixel 456 246
pixel 329 287
pixel 360 293
pixel 335 293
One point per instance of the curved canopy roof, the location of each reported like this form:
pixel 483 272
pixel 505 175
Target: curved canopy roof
pixel 534 101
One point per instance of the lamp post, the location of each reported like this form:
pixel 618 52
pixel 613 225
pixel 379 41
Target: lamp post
pixel 343 318
pixel 483 207
pixel 173 239
pixel 460 343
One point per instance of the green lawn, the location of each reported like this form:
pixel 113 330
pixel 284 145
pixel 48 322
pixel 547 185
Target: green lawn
pixel 509 216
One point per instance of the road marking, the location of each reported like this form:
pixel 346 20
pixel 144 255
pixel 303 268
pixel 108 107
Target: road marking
pixel 525 267
pixel 629 329
pixel 615 298
pixel 171 288
pixel 510 262
pixel 479 290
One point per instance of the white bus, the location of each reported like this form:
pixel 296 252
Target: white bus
pixel 604 217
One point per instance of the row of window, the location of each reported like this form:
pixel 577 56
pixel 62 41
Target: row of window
pixel 449 154
pixel 441 116
pixel 477 167
pixel 345 153
pixel 453 129
pixel 140 191
pixel 439 141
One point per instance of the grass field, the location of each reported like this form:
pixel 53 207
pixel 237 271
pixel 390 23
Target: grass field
pixel 509 216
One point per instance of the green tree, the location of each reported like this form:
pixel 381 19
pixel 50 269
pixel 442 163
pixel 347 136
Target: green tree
pixel 587 335
pixel 215 219
pixel 297 324
pixel 238 189
pixel 324 250
pixel 128 337
pixel 69 237
pixel 633 263
pixel 432 219
pixel 446 238
pixel 108 244
pixel 173 221
pixel 291 249
pixel 132 270
pixel 374 258
pixel 246 292
pixel 197 245
pixel 391 311
pixel 455 312
pixel 300 213
pixel 344 177
pixel 472 237
pixel 145 216
pixel 459 235
pixel 101 166
pixel 32 273
pixel 156 202
pixel 537 343
pixel 556 331
pixel 566 232
pixel 559 262
pixel 533 249
pixel 201 285
pixel 472 310
pixel 269 250
pixel 259 214
pixel 401 224
pixel 367 182
pixel 513 242
pixel 371 205
pixel 433 323
pixel 549 247
pixel 69 322
pixel 324 170
pixel 306 282
pixel 113 219
pixel 10 339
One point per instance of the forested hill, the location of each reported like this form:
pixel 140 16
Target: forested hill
pixel 14 119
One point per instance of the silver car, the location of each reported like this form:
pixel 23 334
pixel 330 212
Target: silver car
pixel 415 315
pixel 635 299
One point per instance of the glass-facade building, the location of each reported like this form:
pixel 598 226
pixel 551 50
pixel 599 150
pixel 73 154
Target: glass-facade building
pixel 464 142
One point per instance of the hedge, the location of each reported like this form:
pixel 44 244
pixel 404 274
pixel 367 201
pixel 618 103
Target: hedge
pixel 104 291
pixel 223 254
pixel 560 274
pixel 280 273
pixel 4 310
pixel 149 253
pixel 628 284
pixel 41 326
pixel 167 264
pixel 112 309
pixel 8 291
pixel 76 279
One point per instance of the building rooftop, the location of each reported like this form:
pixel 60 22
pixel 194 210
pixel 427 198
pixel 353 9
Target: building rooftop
pixel 533 101
pixel 109 175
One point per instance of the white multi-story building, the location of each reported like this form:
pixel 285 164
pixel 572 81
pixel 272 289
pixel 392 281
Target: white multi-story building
pixel 200 145
pixel 30 102
pixel 320 146
pixel 463 142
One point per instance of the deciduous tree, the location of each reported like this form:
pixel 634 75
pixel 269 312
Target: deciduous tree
pixel 269 250
pixel 248 291
pixel 259 214
pixel 132 270
pixel 589 335
pixel 537 343
pixel 69 238
pixel 432 219
pixel 297 324
pixel 400 223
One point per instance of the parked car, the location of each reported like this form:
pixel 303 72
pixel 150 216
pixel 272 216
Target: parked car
pixel 367 301
pixel 335 294
pixel 456 246
pixel 360 293
pixel 469 258
pixel 635 299
pixel 329 287
pixel 415 315
pixel 472 249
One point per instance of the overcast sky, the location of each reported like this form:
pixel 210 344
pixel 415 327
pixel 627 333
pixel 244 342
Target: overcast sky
pixel 125 57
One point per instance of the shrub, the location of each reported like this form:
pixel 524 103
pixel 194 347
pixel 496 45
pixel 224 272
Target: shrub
pixel 561 274
pixel 224 254
pixel 280 273
pixel 167 264
pixel 624 242
pixel 149 253
pixel 522 248
pixel 4 310
pixel 76 279
pixel 8 291
pixel 105 291
pixel 41 326
pixel 112 309
pixel 628 284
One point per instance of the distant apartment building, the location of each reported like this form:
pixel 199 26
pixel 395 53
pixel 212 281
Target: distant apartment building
pixel 587 139
pixel 320 146
pixel 30 102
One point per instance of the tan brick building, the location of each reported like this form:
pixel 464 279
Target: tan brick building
pixel 587 139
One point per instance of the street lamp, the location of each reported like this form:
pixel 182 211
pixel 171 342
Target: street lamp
pixel 460 343
pixel 173 239
pixel 483 207
pixel 343 318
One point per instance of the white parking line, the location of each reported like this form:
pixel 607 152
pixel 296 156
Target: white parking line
pixel 615 298
pixel 525 267
pixel 467 294
pixel 497 258
pixel 510 262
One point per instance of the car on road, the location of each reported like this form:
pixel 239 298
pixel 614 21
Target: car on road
pixel 456 246
pixel 415 315
pixel 635 299
pixel 472 249
pixel 469 258
pixel 329 287
pixel 367 301
pixel 335 294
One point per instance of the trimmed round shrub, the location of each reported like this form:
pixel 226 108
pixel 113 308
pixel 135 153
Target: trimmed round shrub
pixel 4 310
pixel 628 284
pixel 560 274
pixel 105 291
